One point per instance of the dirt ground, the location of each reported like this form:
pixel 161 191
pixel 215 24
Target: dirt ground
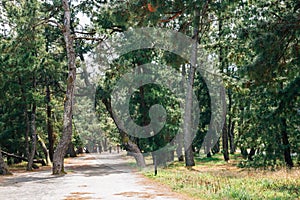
pixel 92 176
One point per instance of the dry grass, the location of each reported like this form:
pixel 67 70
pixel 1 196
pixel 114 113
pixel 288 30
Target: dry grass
pixel 215 179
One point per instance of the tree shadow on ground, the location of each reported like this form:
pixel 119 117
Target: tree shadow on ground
pixel 76 168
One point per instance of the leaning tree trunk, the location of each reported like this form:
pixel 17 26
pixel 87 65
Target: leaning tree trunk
pixel 3 167
pixel 58 157
pixel 45 150
pixel 129 145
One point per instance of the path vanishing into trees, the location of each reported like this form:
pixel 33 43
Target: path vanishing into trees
pixel 92 176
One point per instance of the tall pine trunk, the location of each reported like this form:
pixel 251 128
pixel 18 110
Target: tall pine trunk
pixel 33 132
pixel 187 132
pixel 222 66
pixel 286 145
pixel 225 143
pixel 27 131
pixel 58 157
pixel 230 126
pixel 231 138
pixel 49 123
pixel 180 141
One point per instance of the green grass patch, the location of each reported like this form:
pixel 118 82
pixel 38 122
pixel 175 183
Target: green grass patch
pixel 211 185
pixel 212 178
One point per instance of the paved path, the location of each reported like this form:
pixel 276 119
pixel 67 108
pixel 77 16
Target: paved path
pixel 93 176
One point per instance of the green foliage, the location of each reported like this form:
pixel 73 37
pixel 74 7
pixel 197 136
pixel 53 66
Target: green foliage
pixel 25 58
pixel 256 44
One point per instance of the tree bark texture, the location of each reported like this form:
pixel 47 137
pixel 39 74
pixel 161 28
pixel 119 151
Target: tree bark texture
pixel 58 157
pixel 225 143
pixel 33 132
pixel 49 123
pixel 187 132
pixel 180 141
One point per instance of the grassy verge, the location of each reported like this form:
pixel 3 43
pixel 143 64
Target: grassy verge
pixel 212 178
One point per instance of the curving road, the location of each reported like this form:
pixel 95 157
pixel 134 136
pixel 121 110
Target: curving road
pixel 93 176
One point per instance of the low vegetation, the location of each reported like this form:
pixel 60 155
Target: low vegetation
pixel 212 178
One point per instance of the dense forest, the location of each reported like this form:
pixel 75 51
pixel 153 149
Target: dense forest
pixel 60 89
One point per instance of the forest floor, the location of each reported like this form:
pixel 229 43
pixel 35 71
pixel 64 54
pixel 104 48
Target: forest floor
pixel 89 176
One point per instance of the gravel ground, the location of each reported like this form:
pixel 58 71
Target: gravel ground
pixel 93 176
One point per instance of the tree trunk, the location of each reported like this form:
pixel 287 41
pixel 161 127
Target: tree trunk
pixel 71 150
pixel 286 145
pixel 240 132
pixel 179 149
pixel 33 136
pixel 3 167
pixel 244 152
pixel 49 123
pixel 216 148
pixel 105 146
pixel 180 141
pixel 134 151
pixel 225 143
pixel 231 139
pixel 230 126
pixel 45 150
pixel 27 131
pixel 48 106
pixel 130 146
pixel 223 66
pixel 187 132
pixel 58 157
